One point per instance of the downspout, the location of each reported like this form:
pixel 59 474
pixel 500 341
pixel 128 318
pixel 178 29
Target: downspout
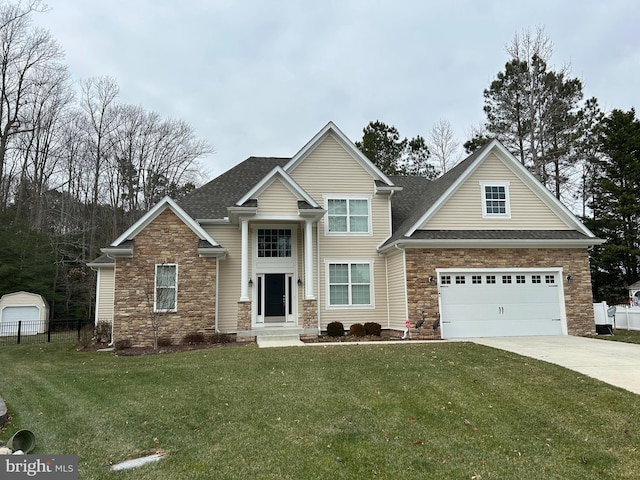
pixel 318 274
pixel 215 320
pixel 113 319
pixel 386 269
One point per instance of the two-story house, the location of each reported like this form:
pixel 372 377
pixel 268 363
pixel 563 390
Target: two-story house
pixel 296 243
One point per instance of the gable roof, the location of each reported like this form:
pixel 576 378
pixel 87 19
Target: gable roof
pixel 212 199
pixel 151 215
pixel 331 129
pixel 290 183
pixel 238 186
pixel 435 194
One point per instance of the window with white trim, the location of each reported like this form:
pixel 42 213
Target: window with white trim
pixel 274 242
pixel 166 288
pixel 350 284
pixel 495 200
pixel 348 215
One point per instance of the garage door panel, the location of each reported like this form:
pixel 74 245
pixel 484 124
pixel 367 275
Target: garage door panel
pixel 500 304
pixel 500 328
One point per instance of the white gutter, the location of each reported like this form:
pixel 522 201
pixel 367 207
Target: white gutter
pixel 493 243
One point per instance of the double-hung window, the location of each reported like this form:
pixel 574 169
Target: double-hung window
pixel 350 284
pixel 348 215
pixel 166 287
pixel 495 200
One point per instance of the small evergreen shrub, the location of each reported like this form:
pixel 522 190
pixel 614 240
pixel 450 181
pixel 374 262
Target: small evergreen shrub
pixel 357 330
pixel 193 338
pixel 335 329
pixel 122 344
pixel 372 328
pixel 165 341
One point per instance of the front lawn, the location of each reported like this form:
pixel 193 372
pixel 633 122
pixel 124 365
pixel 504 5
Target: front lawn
pixel 628 336
pixel 441 410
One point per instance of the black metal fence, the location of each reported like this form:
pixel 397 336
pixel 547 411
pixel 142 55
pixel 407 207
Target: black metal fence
pixel 45 331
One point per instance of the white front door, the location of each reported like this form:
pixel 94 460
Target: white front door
pixel 484 303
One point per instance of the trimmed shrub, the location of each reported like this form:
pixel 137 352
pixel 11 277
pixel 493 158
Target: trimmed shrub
pixel 165 342
pixel 122 344
pixel 193 338
pixel 357 330
pixel 372 328
pixel 335 329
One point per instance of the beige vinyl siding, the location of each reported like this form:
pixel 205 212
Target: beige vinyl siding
pixel 330 171
pixel 106 294
pixel 463 211
pixel 228 277
pixel 277 199
pixel 397 290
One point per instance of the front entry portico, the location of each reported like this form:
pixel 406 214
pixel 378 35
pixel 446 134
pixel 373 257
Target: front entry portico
pixel 275 259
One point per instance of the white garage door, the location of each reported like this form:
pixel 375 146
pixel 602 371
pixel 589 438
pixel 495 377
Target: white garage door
pixel 480 303
pixel 29 315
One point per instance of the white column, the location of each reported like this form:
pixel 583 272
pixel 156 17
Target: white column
pixel 244 268
pixel 308 260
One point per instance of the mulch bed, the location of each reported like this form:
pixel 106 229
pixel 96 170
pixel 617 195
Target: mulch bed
pixel 137 351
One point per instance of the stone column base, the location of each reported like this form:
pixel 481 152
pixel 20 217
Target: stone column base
pixel 244 321
pixel 309 318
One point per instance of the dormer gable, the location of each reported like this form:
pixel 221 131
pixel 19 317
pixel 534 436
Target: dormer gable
pixel 281 177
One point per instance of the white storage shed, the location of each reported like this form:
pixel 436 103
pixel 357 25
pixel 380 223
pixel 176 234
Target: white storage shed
pixel 29 308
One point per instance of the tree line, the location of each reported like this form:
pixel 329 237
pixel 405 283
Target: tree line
pixel 589 159
pixel 76 167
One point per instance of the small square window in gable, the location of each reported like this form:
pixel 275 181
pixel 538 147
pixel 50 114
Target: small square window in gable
pixel 495 199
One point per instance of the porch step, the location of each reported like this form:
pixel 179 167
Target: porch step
pixel 282 340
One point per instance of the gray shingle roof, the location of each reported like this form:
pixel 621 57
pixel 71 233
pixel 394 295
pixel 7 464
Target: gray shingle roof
pixel 419 194
pixel 498 235
pixel 212 199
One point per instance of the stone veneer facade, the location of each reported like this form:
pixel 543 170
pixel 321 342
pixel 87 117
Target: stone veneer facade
pixel 422 263
pixel 165 240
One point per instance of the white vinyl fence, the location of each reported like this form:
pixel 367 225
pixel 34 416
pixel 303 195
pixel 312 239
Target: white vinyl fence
pixel 625 317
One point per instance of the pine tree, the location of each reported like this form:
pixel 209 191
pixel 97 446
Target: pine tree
pixel 616 217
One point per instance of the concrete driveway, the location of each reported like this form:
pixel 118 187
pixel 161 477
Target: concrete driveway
pixel 615 363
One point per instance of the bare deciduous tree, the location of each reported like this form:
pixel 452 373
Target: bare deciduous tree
pixel 444 145
pixel 27 55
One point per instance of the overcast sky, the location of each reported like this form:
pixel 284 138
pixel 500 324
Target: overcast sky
pixel 259 77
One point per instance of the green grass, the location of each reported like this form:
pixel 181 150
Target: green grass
pixel 627 336
pixel 441 410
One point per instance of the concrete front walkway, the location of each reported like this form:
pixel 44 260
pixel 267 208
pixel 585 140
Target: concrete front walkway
pixel 615 363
